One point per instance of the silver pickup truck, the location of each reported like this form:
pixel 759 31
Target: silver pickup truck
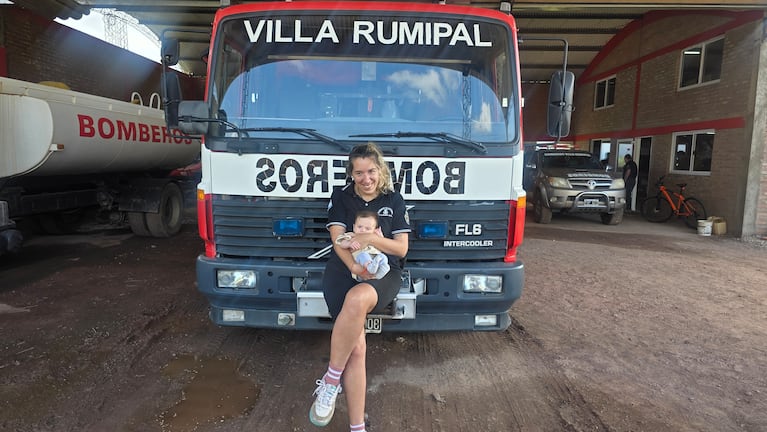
pixel 572 181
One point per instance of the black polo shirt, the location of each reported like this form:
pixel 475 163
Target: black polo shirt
pixel 390 207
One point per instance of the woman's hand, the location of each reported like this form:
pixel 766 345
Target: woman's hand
pixel 364 239
pixel 397 246
pixel 361 271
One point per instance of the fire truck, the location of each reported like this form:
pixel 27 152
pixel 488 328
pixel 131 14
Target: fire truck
pixel 291 88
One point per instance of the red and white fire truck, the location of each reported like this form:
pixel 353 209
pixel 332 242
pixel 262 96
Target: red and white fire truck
pixel 291 88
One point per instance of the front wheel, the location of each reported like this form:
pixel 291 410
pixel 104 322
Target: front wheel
pixel 694 212
pixel 612 218
pixel 656 209
pixel 541 213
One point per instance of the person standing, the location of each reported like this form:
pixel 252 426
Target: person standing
pixel 348 300
pixel 630 170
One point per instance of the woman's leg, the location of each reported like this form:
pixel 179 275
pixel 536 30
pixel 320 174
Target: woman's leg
pixel 345 353
pixel 360 300
pixel 355 382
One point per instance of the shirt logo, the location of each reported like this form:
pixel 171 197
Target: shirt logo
pixel 386 212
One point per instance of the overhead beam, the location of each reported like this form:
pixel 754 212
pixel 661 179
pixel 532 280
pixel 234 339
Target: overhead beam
pixel 553 48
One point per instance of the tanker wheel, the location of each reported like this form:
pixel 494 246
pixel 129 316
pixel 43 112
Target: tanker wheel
pixel 167 221
pixel 137 223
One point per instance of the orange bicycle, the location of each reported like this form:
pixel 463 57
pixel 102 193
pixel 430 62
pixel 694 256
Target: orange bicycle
pixel 661 207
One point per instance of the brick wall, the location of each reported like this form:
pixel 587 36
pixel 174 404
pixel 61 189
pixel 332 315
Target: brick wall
pixel 534 112
pixel 645 59
pixel 36 49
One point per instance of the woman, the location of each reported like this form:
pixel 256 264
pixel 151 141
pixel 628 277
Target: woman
pixel 348 300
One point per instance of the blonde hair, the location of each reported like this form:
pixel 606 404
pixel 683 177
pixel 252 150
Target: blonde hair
pixel 371 151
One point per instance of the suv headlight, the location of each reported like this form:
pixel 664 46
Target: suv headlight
pixel 618 184
pixel 559 182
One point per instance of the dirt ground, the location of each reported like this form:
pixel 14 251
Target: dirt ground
pixel 635 327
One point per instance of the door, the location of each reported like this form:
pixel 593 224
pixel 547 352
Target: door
pixel 625 147
pixel 643 161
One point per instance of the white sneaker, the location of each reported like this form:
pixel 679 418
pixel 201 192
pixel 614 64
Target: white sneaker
pixel 325 404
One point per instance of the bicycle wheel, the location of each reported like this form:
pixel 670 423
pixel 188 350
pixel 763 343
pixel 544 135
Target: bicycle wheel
pixel 656 209
pixel 695 211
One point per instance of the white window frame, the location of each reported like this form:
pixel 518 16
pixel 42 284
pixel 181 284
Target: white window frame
pixel 693 152
pixel 606 82
pixel 702 46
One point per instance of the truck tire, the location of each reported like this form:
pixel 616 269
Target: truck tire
pixel 541 213
pixel 167 221
pixel 137 222
pixel 612 219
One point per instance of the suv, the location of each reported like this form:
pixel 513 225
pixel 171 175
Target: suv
pixel 572 181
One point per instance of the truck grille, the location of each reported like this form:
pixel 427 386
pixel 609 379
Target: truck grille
pixel 591 184
pixel 243 228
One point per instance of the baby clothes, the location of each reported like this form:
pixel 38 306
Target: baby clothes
pixel 371 259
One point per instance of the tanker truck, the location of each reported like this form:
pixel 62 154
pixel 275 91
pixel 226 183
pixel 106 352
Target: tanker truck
pixel 66 156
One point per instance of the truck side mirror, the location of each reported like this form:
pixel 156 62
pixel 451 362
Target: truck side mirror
pixel 189 114
pixel 171 96
pixel 560 105
pixel 169 52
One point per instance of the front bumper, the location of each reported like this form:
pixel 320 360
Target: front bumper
pixel 288 296
pixel 586 201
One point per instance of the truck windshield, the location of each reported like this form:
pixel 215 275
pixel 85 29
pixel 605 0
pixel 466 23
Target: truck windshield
pixel 570 161
pixel 402 77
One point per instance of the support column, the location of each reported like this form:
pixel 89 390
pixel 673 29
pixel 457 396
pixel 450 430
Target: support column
pixel 755 200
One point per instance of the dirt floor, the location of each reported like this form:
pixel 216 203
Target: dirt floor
pixel 636 327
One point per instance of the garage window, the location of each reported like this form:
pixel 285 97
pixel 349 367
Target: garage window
pixel 692 152
pixel 604 93
pixel 701 64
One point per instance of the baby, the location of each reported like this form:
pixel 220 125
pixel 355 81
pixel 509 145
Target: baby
pixel 371 259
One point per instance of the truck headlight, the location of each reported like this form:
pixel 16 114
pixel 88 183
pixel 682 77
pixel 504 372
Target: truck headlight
pixel 559 182
pixel 618 184
pixel 482 284
pixel 236 278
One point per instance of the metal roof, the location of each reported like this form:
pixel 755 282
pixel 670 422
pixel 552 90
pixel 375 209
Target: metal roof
pixel 587 26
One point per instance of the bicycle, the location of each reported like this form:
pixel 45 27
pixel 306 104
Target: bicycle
pixel 661 207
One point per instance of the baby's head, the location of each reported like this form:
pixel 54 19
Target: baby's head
pixel 365 222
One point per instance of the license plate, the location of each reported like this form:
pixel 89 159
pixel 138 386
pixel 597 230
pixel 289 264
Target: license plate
pixel 373 325
pixel 590 202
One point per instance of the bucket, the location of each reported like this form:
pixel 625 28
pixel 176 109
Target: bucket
pixel 704 227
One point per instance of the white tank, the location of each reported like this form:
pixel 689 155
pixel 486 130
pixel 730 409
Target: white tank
pixel 46 130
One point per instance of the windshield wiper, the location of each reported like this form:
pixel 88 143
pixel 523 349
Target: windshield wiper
pixel 306 132
pixel 436 136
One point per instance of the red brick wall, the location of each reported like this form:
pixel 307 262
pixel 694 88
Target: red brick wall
pixel 534 113
pixel 645 58
pixel 36 49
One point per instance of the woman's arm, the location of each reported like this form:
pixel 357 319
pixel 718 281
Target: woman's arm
pixel 397 246
pixel 346 254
